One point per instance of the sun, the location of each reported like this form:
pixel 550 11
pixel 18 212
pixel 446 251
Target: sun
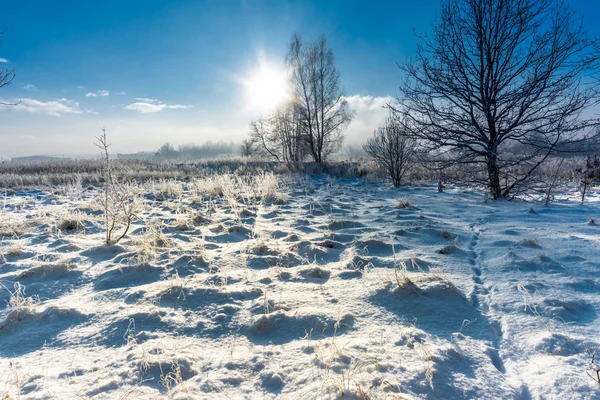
pixel 266 87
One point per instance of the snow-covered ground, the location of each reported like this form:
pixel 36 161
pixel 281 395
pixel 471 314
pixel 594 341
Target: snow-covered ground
pixel 335 289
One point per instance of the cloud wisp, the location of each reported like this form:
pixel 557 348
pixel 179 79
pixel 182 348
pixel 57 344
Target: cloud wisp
pixel 56 108
pixel 146 106
pixel 368 103
pixel 30 87
pixel 98 93
pixel 147 100
pixel 3 60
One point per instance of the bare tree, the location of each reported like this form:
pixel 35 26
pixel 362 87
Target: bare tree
pixel 392 149
pixel 287 122
pixel 498 85
pixel 587 176
pixel 280 136
pixel 6 75
pixel 247 148
pixel 551 182
pixel 315 84
pixel 120 201
pixel 267 141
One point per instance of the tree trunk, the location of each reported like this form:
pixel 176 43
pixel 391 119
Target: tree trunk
pixel 318 157
pixel 493 176
pixel 395 177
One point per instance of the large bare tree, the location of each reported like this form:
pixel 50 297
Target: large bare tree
pixel 392 149
pixel 498 85
pixel 315 84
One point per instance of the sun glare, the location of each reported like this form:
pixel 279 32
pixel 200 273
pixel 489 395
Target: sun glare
pixel 266 87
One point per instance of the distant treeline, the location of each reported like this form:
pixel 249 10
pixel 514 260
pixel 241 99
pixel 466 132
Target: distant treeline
pixel 192 151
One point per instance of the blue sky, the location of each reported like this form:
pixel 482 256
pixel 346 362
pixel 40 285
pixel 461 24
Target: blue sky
pixel 86 64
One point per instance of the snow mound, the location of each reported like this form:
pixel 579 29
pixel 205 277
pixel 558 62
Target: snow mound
pixel 282 327
pixel 33 315
pixel 375 247
pixel 54 271
pixel 128 276
pixel 344 224
pixel 189 265
pixel 555 343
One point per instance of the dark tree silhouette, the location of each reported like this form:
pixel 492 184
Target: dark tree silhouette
pixel 247 148
pixel 498 85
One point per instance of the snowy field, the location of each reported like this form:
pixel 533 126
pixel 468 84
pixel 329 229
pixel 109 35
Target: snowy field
pixel 299 288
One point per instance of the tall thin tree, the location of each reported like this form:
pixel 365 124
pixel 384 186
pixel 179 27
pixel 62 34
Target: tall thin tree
pixel 315 84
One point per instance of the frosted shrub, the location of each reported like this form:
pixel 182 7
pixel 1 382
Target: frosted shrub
pixel 120 201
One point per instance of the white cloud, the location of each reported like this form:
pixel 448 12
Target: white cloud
pixel 370 112
pixel 147 100
pixel 153 107
pixel 80 87
pixel 368 103
pixel 3 60
pixel 55 108
pixel 98 93
pixel 121 93
pixel 31 87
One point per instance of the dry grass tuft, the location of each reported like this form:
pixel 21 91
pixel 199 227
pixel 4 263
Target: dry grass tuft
pixel 199 219
pixel 150 244
pixel 167 189
pixel 316 272
pixel 530 242
pixel 19 306
pixel 71 222
pixel 14 249
pixel 183 224
pixel 11 228
pixel 329 244
pixel 446 235
pixel 403 204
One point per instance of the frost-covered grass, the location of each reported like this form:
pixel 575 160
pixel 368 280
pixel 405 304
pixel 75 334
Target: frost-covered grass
pixel 257 285
pixel 68 176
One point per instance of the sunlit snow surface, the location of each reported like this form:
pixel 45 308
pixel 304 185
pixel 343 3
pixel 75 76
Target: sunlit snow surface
pixel 299 299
